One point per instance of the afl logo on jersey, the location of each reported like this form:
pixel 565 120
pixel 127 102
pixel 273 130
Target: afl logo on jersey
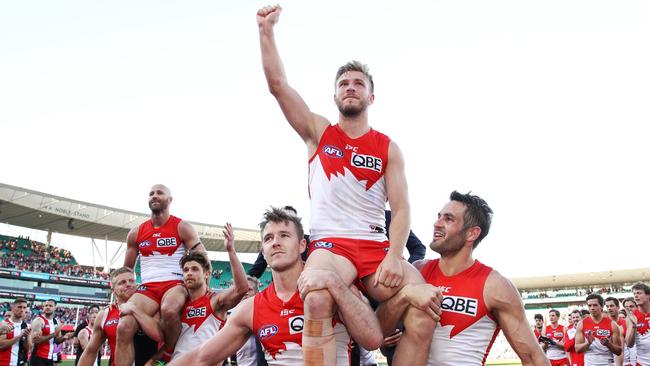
pixel 144 244
pixel 333 151
pixel 111 322
pixel 366 162
pixel 296 324
pixel 141 288
pixel 267 331
pixel 323 244
pixel 166 242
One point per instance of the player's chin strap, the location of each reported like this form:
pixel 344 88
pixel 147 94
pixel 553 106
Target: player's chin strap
pixel 318 343
pixel 195 245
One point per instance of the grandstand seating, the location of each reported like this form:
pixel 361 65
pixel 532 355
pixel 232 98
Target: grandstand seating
pixel 221 275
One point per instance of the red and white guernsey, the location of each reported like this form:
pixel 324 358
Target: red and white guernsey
pixel 642 338
pixel 278 326
pixel 347 186
pixel 597 354
pixel 466 329
pixel 555 352
pixel 45 349
pixel 10 355
pixel 160 251
pixel 198 324
pixel 109 326
pixel 577 358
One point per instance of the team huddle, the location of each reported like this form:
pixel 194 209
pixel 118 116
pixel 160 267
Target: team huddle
pixel 605 334
pixel 448 310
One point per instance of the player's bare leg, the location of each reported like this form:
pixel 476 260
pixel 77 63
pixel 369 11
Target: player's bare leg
pixel 170 318
pixel 128 326
pixel 418 325
pixel 318 343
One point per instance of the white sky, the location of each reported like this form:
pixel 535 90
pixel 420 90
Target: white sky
pixel 539 107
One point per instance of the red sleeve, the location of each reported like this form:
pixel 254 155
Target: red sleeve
pixel 569 344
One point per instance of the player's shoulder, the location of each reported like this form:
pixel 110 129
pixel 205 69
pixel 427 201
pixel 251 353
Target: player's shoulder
pixel 499 291
pixel 242 314
pixel 421 263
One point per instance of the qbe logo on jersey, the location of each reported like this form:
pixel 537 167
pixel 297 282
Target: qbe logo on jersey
pixel 460 305
pixel 166 242
pixel 603 333
pixel 366 162
pixel 196 312
pixel 296 323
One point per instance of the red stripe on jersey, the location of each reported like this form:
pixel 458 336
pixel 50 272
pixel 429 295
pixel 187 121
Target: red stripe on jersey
pixel 163 240
pixel 463 303
pixel 272 320
pixel 110 329
pixel 366 157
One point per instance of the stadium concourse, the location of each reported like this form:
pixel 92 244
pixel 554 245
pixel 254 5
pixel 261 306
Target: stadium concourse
pixel 38 271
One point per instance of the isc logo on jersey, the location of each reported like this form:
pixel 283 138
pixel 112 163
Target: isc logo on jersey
pixel 196 312
pixel 366 162
pixel 333 151
pixel 460 305
pixel 603 332
pixel 166 242
pixel 296 323
pixel 267 331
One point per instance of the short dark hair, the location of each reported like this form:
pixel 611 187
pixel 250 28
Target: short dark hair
pixel 611 298
pixel 641 286
pixel 20 300
pixel 623 311
pixel 93 306
pixel 557 312
pixel 597 297
pixel 576 311
pixel 119 271
pixel 52 300
pixel 356 66
pixel 477 213
pixel 277 215
pixel 629 299
pixel 196 256
pixel 538 316
pixel 584 312
pixel 290 208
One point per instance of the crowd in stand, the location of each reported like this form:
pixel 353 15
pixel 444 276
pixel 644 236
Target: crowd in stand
pixel 571 292
pixel 26 255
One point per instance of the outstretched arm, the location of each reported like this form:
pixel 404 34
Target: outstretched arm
pixel 225 343
pixel 503 301
pixel 307 124
pixel 226 300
